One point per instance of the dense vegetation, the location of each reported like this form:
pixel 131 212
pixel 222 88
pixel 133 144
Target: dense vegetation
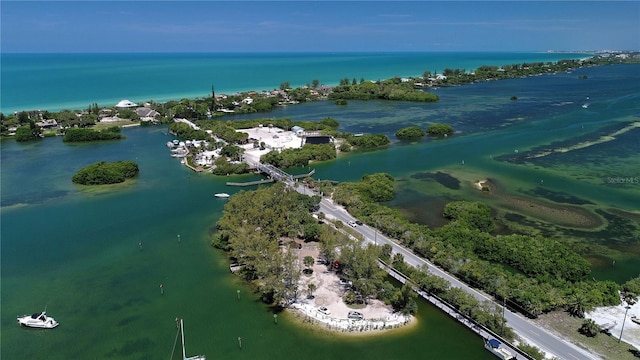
pixel 439 130
pixel 533 274
pixel 299 157
pixel 184 131
pixel 83 135
pixel 368 142
pixel 256 228
pixel 28 132
pixel 475 215
pixel 490 72
pixel 391 89
pixel 411 133
pixel 252 225
pixel 101 173
pixel 225 167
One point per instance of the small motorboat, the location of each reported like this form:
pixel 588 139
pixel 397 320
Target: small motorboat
pixel 221 195
pixel 38 320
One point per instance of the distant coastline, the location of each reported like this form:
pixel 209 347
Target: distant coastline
pixel 59 81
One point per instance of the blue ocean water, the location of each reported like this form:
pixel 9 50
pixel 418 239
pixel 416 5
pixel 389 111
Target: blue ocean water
pixel 74 81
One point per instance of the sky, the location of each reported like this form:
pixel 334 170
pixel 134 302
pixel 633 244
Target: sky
pixel 317 26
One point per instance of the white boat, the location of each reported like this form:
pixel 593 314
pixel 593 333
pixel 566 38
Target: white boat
pixel 38 320
pixel 221 195
pixel 586 105
pixel 493 345
pixel 184 353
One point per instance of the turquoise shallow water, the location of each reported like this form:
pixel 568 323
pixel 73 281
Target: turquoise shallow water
pixel 74 81
pixel 76 251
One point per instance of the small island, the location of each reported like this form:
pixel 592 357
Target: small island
pixel 102 173
pixel 411 133
pixel 84 135
pixel 439 130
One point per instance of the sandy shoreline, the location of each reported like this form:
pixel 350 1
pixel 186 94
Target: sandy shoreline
pixel 378 316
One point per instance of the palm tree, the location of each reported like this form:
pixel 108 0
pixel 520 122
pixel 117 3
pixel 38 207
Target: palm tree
pixel 577 305
pixel 589 328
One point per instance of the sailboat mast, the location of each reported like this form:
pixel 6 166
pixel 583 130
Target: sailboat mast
pixel 184 353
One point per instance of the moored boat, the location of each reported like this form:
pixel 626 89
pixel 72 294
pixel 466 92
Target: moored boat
pixel 38 320
pixel 184 352
pixel 221 195
pixel 493 345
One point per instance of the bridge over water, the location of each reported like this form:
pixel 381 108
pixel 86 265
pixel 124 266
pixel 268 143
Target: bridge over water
pixel 274 174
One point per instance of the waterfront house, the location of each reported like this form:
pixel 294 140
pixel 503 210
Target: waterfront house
pixel 299 131
pixel 48 124
pixel 123 104
pixel 146 112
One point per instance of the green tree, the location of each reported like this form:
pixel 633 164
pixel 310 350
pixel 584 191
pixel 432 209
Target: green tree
pixel 404 300
pixel 285 85
pixel 589 328
pixel 101 173
pixel 411 133
pixel 85 135
pixel 439 130
pixel 23 117
pixel 308 262
pixel 315 83
pixel 532 351
pixel 476 215
pixel 28 132
pixel 577 304
pixel 311 288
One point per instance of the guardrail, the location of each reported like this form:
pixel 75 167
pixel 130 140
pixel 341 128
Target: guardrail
pixel 472 324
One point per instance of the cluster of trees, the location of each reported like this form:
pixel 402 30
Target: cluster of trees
pixel 368 142
pixel 102 173
pixel 390 89
pixel 184 131
pixel 490 72
pixel 476 215
pixel 371 188
pixel 439 130
pixel 299 157
pixel 253 229
pixel 411 133
pixel 83 135
pixel 534 275
pixel 250 229
pixel 28 132
pixel 225 167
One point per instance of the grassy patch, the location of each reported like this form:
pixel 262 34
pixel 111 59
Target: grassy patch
pixel 602 344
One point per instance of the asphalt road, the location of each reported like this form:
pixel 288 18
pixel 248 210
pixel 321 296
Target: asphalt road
pixel 526 329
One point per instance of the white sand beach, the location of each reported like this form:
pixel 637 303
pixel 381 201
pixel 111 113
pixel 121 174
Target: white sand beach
pixel 614 316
